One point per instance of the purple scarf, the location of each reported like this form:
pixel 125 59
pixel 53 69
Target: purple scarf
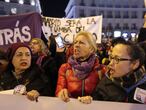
pixel 82 69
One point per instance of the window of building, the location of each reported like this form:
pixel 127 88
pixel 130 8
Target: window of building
pixel 118 5
pixel 93 12
pixel 125 14
pixel 109 27
pixel 133 26
pixel 101 5
pixel 125 26
pixel 117 27
pixel 109 14
pixel 125 4
pixel 109 3
pixel 82 13
pixel 27 2
pixel 117 14
pixel 109 30
pixel 2 12
pixel 82 3
pixel 134 4
pixel 14 1
pixel 93 3
pixel 134 14
pixel 103 28
pixel 101 12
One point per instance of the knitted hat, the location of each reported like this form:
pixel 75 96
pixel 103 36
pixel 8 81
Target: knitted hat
pixel 12 49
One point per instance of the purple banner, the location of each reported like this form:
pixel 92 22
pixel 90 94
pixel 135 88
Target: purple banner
pixel 19 28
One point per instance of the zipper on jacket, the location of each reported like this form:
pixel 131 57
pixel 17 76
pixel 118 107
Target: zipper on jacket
pixel 83 87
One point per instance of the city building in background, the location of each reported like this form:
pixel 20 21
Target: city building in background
pixel 120 17
pixel 10 7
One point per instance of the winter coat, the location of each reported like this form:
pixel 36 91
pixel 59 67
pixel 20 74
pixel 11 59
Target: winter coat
pixel 75 86
pixel 109 90
pixel 33 78
pixel 48 65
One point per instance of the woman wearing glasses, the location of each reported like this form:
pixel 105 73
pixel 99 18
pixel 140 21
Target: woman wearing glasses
pixel 45 61
pixel 125 78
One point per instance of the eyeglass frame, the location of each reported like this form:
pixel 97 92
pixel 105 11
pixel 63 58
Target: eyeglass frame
pixel 117 59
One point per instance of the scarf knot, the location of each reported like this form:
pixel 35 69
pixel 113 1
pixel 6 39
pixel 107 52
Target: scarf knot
pixel 82 69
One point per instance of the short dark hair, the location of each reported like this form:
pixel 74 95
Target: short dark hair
pixel 135 51
pixel 117 40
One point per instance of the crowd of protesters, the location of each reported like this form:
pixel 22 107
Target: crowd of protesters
pixel 109 71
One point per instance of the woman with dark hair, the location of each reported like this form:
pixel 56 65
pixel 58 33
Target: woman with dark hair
pixel 21 72
pixel 125 76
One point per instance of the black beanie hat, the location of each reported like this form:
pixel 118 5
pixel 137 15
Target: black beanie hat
pixel 12 49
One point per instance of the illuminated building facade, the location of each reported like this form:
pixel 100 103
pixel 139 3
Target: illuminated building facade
pixel 8 7
pixel 122 16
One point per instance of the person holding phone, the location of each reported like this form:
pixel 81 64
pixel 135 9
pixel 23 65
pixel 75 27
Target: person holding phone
pixel 59 41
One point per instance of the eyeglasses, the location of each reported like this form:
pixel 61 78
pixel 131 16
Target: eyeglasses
pixel 116 59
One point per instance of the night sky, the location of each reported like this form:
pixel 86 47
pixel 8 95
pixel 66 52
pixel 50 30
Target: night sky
pixel 53 8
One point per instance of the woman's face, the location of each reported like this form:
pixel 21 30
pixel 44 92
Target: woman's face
pixel 82 48
pixel 21 59
pixel 118 66
pixel 35 46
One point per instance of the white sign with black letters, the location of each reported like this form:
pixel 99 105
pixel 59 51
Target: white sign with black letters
pixel 69 27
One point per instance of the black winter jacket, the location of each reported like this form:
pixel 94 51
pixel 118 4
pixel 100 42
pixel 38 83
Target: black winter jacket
pixel 33 78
